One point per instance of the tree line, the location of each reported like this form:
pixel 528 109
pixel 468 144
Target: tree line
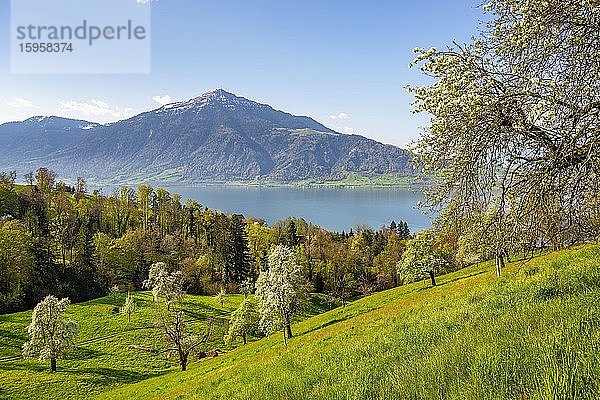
pixel 61 240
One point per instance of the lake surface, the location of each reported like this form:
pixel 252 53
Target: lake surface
pixel 332 208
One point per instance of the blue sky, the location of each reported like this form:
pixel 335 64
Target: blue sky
pixel 344 63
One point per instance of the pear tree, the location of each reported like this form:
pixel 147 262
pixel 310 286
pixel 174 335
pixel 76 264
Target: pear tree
pixel 514 120
pixel 281 290
pixel 221 297
pixel 422 259
pixel 165 284
pixel 180 339
pixel 243 322
pixel 128 307
pixel 51 336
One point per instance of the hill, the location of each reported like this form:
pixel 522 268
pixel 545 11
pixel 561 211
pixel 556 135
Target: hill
pixel 216 137
pixel 110 351
pixel 534 333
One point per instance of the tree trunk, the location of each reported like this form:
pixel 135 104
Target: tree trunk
pixel 288 329
pixel 497 265
pixel 53 364
pixel 244 338
pixel 183 361
pixel 432 276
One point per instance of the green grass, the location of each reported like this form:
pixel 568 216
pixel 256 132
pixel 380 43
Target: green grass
pixel 354 179
pixel 166 176
pixel 533 334
pixel 102 358
pixel 308 132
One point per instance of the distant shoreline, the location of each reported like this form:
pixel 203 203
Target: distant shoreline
pixel 266 185
pixel 354 182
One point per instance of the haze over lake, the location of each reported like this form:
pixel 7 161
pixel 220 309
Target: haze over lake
pixel 332 208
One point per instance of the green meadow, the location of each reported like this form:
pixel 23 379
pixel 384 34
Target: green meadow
pixel 534 333
pixel 110 350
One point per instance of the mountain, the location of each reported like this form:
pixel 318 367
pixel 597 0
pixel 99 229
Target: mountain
pixel 39 136
pixel 217 136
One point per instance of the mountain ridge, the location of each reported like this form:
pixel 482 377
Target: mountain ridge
pixel 215 137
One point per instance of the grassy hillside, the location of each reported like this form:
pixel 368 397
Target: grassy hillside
pixel 103 357
pixel 533 334
pixel 357 180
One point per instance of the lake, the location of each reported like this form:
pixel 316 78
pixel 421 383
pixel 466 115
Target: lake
pixel 332 208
